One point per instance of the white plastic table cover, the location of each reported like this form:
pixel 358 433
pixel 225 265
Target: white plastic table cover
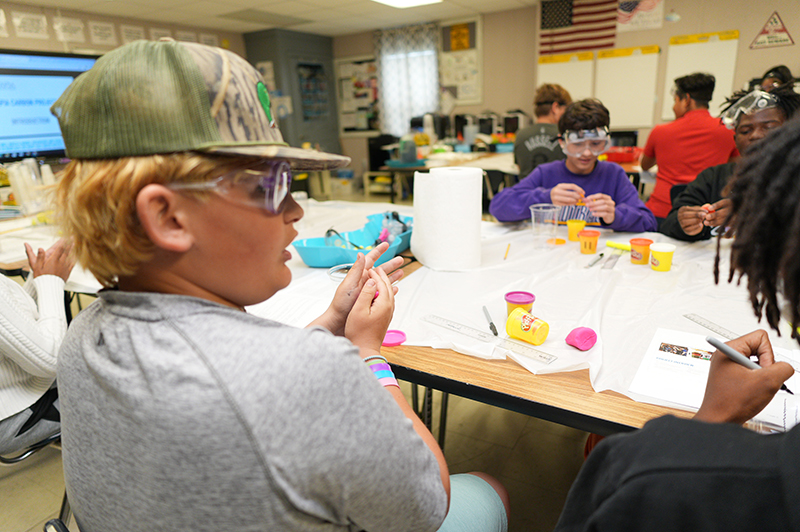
pixel 625 304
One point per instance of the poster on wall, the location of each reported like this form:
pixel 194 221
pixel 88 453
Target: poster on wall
pixel 3 27
pixel 158 33
pixel 131 33
pixel 267 70
pixel 357 87
pixel 460 62
pixel 30 25
pixel 102 33
pixel 640 15
pixel 69 29
pixel 185 36
pixel 209 39
pixel 774 33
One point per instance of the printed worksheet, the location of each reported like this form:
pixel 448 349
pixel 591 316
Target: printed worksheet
pixel 675 369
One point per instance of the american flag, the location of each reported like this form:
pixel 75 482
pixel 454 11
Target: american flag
pixel 628 9
pixel 575 25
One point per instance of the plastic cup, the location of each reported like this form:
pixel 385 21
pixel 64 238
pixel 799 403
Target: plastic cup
pixel 523 300
pixel 527 327
pixel 640 250
pixel 588 239
pixel 544 221
pixel 574 227
pixel 661 256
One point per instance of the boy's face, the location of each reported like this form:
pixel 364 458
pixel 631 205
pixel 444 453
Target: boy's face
pixel 583 147
pixel 680 105
pixel 240 249
pixel 754 127
pixel 582 163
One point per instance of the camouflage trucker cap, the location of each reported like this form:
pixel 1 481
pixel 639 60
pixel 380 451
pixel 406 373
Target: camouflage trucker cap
pixel 146 97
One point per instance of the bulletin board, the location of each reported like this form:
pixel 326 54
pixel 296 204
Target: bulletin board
pixel 357 93
pixel 574 72
pixel 460 67
pixel 714 53
pixel 626 84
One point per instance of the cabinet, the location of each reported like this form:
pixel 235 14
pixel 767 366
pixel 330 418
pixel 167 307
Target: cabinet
pixel 303 68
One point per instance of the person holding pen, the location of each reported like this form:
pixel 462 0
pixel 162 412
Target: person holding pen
pixel 709 473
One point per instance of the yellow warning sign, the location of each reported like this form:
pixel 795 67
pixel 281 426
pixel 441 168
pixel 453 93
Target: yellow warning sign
pixel 774 33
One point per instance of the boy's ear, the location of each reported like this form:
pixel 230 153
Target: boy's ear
pixel 164 218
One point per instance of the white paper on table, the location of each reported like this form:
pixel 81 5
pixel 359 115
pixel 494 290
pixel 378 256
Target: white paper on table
pixel 675 368
pixel 308 298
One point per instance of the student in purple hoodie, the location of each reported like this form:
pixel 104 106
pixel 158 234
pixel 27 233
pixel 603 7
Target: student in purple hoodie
pixel 597 191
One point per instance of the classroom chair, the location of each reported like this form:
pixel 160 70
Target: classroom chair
pixel 55 525
pixel 65 512
pixel 675 191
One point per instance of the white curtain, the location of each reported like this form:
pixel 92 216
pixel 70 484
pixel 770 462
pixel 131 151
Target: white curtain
pixel 408 75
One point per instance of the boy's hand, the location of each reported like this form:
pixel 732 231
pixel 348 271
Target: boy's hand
pixel 55 261
pixel 734 394
pixel 368 321
pixel 692 219
pixel 717 212
pixel 602 206
pixel 349 289
pixel 566 194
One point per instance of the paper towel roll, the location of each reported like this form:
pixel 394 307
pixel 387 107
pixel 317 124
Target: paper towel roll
pixel 447 218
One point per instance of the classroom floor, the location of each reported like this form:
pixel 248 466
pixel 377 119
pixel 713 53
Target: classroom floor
pixel 536 460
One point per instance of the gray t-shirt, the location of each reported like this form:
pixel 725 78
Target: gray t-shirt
pixel 181 414
pixel 535 145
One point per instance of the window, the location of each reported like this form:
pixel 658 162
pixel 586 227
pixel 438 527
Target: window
pixel 408 75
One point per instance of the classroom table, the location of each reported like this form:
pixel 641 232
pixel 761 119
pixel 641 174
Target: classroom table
pixel 13 260
pixel 624 302
pixel 502 162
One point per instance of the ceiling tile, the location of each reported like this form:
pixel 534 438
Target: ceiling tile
pixel 327 17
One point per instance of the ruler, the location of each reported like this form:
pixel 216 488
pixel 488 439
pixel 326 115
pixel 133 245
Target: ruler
pixel 514 346
pixel 711 326
pixel 611 261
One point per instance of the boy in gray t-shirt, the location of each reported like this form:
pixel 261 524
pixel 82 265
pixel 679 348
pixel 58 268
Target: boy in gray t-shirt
pixel 179 410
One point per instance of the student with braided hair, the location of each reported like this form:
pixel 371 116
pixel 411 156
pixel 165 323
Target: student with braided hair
pixel 709 473
pixel 701 207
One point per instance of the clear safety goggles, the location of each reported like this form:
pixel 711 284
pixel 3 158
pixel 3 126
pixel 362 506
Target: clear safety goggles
pixel 265 186
pixel 753 102
pixel 595 140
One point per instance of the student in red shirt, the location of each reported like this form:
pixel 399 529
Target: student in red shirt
pixel 688 145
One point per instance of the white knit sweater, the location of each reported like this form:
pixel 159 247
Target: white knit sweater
pixel 32 324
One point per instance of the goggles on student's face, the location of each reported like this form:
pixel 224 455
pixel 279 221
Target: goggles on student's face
pixel 265 186
pixel 753 102
pixel 595 140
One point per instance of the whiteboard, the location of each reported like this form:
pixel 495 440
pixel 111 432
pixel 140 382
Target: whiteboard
pixel 626 84
pixel 713 53
pixel 574 72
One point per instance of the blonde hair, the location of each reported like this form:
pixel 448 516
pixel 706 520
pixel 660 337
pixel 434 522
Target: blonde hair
pixel 96 205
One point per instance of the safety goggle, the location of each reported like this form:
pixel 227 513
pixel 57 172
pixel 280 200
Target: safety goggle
pixel 597 141
pixel 265 186
pixel 753 102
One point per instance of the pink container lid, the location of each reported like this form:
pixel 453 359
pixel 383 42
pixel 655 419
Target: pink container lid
pixel 520 298
pixel 393 337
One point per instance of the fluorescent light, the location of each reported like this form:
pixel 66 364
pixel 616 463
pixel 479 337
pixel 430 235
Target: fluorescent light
pixel 402 4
